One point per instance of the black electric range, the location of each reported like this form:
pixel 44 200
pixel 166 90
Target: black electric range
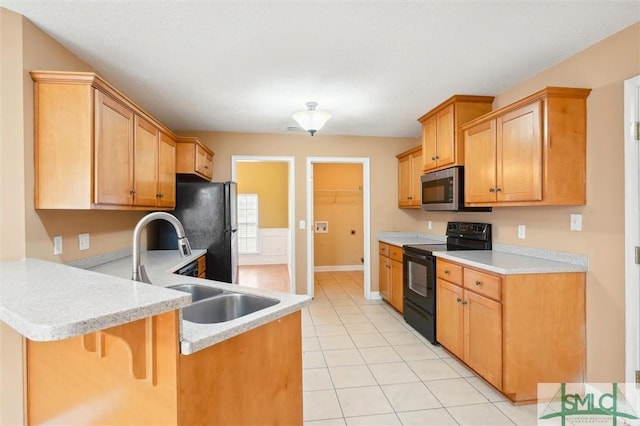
pixel 419 272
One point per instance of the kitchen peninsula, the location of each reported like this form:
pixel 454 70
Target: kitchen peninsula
pixel 116 351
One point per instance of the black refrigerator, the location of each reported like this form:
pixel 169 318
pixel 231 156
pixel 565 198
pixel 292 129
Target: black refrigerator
pixel 208 213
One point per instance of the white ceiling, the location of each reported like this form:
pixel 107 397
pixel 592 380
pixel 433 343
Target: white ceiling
pixel 246 66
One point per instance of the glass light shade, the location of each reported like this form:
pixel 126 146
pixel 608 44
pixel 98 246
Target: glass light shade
pixel 311 120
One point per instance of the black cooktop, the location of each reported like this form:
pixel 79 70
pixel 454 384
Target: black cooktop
pixel 460 236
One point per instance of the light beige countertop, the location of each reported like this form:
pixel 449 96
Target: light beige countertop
pixel 47 301
pixel 509 263
pixel 503 259
pixel 194 337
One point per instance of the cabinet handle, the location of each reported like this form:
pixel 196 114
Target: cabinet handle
pixel 437 157
pixel 498 189
pixel 132 192
pixel 446 271
pixel 159 195
pixel 458 300
pixel 478 282
pixel 206 167
pixel 492 190
pixel 433 158
pixel 464 302
pixel 409 198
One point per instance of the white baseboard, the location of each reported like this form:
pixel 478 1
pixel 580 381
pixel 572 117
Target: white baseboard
pixel 338 268
pixel 375 295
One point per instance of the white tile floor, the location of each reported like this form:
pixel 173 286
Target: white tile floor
pixel 363 365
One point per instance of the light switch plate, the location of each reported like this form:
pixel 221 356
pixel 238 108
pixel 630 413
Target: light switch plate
pixel 302 224
pixel 522 231
pixel 83 241
pixel 57 245
pixel 429 225
pixel 576 222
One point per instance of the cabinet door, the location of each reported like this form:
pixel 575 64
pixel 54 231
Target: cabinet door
pixel 483 336
pixel 450 317
pixel 429 143
pixel 385 278
pixel 397 291
pixel 208 165
pixel 446 153
pixel 416 173
pixel 480 163
pixel 145 170
pixel 113 151
pixel 404 181
pixel 519 154
pixel 166 171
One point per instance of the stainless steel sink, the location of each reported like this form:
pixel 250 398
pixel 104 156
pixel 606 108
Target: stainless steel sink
pixel 225 308
pixel 198 292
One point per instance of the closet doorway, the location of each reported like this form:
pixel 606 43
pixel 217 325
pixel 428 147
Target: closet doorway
pixel 338 217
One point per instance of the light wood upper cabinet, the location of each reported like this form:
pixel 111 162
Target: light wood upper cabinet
pixel 442 139
pixel 532 152
pixel 113 152
pixel 166 196
pixel 95 149
pixel 194 158
pixel 409 172
pixel 145 163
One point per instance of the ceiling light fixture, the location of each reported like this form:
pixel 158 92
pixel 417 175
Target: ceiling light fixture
pixel 311 119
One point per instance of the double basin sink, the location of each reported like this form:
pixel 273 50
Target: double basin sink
pixel 212 305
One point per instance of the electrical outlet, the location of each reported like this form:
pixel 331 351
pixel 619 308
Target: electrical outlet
pixel 57 245
pixel 576 222
pixel 83 241
pixel 429 225
pixel 522 231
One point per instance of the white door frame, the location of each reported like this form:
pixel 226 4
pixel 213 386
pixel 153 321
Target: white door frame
pixel 366 208
pixel 291 206
pixel 631 225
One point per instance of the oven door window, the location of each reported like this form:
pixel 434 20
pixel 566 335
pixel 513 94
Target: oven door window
pixel 417 278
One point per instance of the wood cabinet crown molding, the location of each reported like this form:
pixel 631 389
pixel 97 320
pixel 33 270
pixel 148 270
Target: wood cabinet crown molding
pixel 456 99
pixel 531 152
pixel 96 81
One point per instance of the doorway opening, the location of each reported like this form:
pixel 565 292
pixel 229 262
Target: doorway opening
pixel 330 195
pixel 270 236
pixel 632 226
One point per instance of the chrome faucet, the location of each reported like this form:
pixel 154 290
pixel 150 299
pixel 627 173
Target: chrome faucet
pixel 139 271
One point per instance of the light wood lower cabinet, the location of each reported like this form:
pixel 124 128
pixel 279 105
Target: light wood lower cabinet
pixel 513 330
pixel 391 273
pixel 202 266
pixel 134 375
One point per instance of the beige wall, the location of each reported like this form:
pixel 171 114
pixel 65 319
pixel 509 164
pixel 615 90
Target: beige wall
pixel 338 200
pixel 270 180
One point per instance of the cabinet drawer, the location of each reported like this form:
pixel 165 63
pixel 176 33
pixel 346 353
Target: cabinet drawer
pixel 384 249
pixel 485 284
pixel 449 271
pixel 395 253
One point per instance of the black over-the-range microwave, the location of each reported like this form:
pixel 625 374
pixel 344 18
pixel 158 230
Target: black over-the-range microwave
pixel 444 191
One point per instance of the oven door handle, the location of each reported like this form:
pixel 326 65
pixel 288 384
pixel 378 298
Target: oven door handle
pixel 416 256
